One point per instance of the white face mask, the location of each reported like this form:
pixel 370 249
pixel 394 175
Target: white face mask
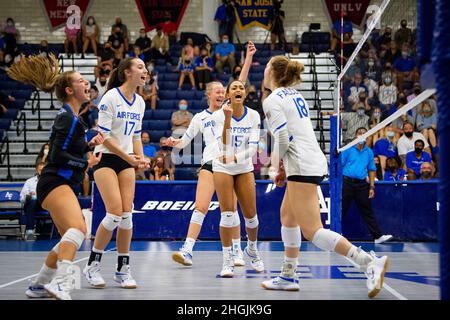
pixel 390 134
pixel 45 151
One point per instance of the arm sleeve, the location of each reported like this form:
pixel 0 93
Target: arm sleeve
pixel 250 150
pixel 105 115
pixel 191 132
pixel 64 128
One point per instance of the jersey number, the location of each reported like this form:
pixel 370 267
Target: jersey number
pixel 129 128
pixel 237 141
pixel 301 107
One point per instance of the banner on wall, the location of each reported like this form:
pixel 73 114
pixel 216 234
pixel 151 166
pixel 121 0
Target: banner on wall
pixel 356 10
pixel 59 12
pixel 155 12
pixel 253 13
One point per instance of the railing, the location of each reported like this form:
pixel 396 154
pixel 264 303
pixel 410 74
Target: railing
pixel 317 100
pixel 36 105
pixel 6 155
pixel 23 117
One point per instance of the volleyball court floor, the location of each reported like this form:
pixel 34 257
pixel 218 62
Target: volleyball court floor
pixel 413 272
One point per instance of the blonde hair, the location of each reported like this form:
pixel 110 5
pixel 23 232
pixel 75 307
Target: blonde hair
pixel 210 86
pixel 286 72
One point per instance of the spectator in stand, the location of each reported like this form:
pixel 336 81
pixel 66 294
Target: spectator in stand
pixel 71 38
pixel 10 37
pixel 165 152
pixel 387 93
pixel 427 171
pixel 149 150
pixel 336 31
pixel 385 39
pixel 236 72
pixel 406 143
pixel 208 45
pixel 117 43
pixel 414 159
pixel 6 101
pixel 160 46
pixel 375 118
pixel 30 203
pixel 43 49
pixel 398 123
pixel 226 17
pixel 406 69
pixel 349 47
pixel 43 153
pixel 170 28
pixel 388 71
pixel 143 174
pixel 95 99
pixel 181 119
pixel 149 91
pixel 158 171
pixel 91 32
pixel 403 35
pixel 372 87
pixel 123 32
pixel 188 49
pixel 102 81
pixel 351 121
pixel 145 43
pixel 137 53
pixel 392 53
pixel 355 88
pixel 426 123
pixel 3 65
pixel 394 171
pixel 225 55
pixel 253 101
pixel 106 58
pixel 186 67
pixel 276 20
pixel 417 89
pixel 379 170
pixel 386 147
pixel 203 68
pixel 363 101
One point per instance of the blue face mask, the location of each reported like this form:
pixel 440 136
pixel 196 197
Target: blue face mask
pixel 225 40
pixel 183 107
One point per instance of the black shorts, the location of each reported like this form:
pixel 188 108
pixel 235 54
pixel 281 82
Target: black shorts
pixel 47 183
pixel 114 162
pixel 207 166
pixel 306 179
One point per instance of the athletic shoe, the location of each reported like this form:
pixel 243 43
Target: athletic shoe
pixel 125 278
pixel 281 283
pixel 93 275
pixel 255 260
pixel 238 258
pixel 227 268
pixel 183 257
pixel 375 274
pixel 36 290
pixel 383 238
pixel 61 286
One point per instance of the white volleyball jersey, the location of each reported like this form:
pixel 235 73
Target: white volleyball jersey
pixel 286 108
pixel 202 122
pixel 245 133
pixel 120 119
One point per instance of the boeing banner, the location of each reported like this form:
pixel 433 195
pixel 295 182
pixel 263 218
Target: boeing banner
pixel 162 210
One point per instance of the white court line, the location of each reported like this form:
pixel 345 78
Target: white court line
pixel 34 275
pixel 385 285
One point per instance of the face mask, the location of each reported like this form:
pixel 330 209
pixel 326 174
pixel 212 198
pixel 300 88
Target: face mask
pixel 388 34
pixel 377 115
pixel 165 148
pixel 426 110
pixel 145 143
pixel 183 107
pixel 362 98
pixel 418 150
pixel 409 134
pixel 46 151
pixel 417 91
pixel 10 24
pixel 371 63
pixel 90 21
pixel 426 174
pixel 150 68
pixel 404 54
pixel 142 35
pixel 225 40
pixel 403 100
pixel 390 134
pixel 362 142
pixel 404 25
pixel 387 81
pixel 103 83
pixel 360 112
pixel 236 75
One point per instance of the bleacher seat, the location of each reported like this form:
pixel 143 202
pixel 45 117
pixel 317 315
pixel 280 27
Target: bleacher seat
pixel 167 94
pixel 168 85
pixel 148 114
pixel 162 114
pixel 171 76
pixel 10 207
pixel 189 173
pixel 155 135
pixel 167 104
pixel 199 94
pixel 5 123
pixel 158 125
pixel 195 111
pixel 256 77
pixel 185 94
pixel 199 104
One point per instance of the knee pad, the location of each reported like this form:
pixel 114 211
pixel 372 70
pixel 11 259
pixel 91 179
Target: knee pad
pixel 197 217
pixel 74 236
pixel 326 239
pixel 111 221
pixel 55 249
pixel 127 221
pixel 292 237
pixel 252 223
pixel 237 220
pixel 227 219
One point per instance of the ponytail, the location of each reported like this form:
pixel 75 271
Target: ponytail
pixel 117 77
pixel 286 72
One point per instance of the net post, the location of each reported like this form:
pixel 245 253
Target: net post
pixel 335 177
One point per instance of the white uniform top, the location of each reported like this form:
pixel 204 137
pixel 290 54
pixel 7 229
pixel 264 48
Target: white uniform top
pixel 202 122
pixel 120 119
pixel 286 109
pixel 245 133
pixel 28 187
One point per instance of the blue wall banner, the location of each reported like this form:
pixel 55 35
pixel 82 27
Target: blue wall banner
pixel 253 13
pixel 162 210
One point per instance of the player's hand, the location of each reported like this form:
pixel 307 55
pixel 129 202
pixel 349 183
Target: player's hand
pixel 227 110
pixel 371 193
pixel 227 159
pixel 94 159
pixel 172 142
pixel 144 164
pixel 97 140
pixel 251 49
pixel 134 160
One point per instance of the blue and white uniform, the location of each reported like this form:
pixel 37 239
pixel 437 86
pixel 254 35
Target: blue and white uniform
pixel 287 114
pixel 120 119
pixel 245 134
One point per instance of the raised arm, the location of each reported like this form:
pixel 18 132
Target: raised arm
pixel 251 49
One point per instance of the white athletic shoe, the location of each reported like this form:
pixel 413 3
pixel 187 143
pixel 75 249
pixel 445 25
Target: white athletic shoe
pixel 383 238
pixel 125 278
pixel 93 275
pixel 255 260
pixel 183 257
pixel 375 274
pixel 238 258
pixel 227 267
pixel 61 286
pixel 282 283
pixel 36 290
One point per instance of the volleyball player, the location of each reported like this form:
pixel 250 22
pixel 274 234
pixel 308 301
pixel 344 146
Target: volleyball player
pixel 299 158
pixel 65 169
pixel 121 112
pixel 237 129
pixel 201 122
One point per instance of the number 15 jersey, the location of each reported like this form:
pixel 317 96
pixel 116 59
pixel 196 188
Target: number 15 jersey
pixel 120 119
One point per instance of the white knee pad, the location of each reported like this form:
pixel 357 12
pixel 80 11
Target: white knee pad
pixel 55 249
pixel 197 217
pixel 252 223
pixel 237 220
pixel 127 221
pixel 292 237
pixel 227 219
pixel 111 221
pixel 74 236
pixel 326 239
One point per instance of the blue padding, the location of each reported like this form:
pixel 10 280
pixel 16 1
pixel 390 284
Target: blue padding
pixel 167 94
pixel 185 94
pixel 162 114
